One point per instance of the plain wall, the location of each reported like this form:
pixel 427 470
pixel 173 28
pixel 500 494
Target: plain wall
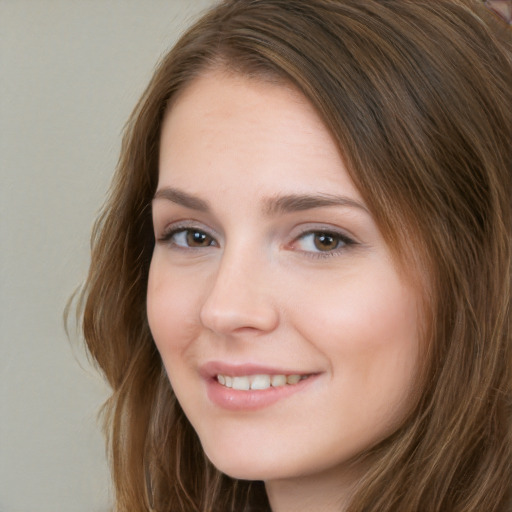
pixel 70 74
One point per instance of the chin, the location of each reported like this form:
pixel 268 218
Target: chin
pixel 242 467
pixel 247 466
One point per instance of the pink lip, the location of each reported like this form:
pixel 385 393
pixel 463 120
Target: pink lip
pixel 236 400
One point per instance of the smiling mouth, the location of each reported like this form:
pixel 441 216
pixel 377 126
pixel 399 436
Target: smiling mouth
pixel 258 382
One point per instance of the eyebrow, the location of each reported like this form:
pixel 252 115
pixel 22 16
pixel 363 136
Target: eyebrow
pixel 273 205
pixel 182 198
pixel 299 202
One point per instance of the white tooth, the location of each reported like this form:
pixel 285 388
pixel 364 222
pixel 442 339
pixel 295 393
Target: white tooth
pixel 221 379
pixel 260 381
pixel 229 381
pixel 241 383
pixel 293 379
pixel 278 380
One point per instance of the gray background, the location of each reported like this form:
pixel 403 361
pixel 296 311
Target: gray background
pixel 70 73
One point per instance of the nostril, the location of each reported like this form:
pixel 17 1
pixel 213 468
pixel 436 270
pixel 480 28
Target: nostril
pixel 239 318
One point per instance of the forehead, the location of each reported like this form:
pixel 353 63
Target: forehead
pixel 244 128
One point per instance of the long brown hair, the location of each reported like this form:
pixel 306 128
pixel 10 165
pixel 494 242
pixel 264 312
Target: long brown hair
pixel 418 96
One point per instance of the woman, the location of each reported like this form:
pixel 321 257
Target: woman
pixel 300 284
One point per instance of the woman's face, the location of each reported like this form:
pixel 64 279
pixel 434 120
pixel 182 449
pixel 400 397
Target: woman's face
pixel 289 336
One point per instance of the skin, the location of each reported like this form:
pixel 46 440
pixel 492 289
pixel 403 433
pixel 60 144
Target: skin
pixel 262 287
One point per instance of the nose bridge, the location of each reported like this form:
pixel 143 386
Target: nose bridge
pixel 240 296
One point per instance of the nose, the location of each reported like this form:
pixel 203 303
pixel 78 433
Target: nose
pixel 240 297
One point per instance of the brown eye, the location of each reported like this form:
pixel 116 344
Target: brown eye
pixel 196 238
pixel 188 238
pixel 323 242
pixel 326 241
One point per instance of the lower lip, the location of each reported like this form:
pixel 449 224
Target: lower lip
pixel 250 400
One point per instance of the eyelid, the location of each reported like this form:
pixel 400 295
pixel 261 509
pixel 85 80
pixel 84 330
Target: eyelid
pixel 322 227
pixel 175 227
pixel 348 241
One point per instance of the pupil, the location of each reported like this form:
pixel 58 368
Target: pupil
pixel 196 238
pixel 325 242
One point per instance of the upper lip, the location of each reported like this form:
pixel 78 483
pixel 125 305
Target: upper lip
pixel 214 368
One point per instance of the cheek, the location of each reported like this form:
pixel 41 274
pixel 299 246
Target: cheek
pixel 366 309
pixel 171 309
pixel 368 330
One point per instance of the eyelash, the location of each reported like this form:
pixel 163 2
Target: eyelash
pixel 168 234
pixel 343 242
